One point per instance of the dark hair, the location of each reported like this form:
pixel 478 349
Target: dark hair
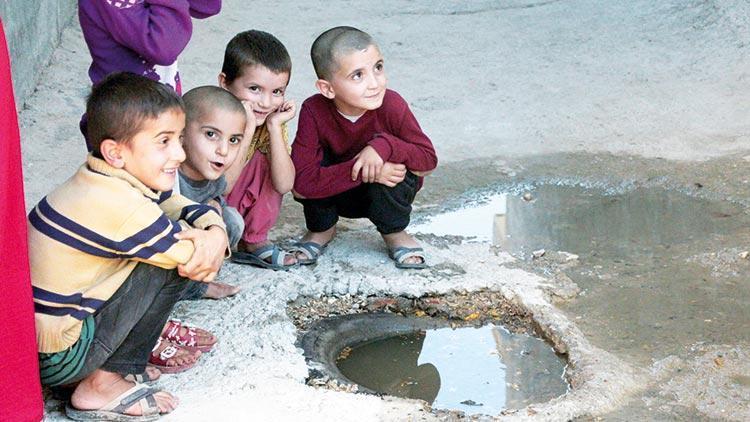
pixel 251 48
pixel 331 44
pixel 120 104
pixel 204 98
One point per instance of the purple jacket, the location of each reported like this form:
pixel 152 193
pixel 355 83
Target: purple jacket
pixel 140 36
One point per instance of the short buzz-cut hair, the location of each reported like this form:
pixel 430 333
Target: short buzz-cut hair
pixel 332 44
pixel 120 104
pixel 202 99
pixel 252 48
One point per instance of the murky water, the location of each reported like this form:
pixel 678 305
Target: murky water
pixel 648 290
pixel 476 370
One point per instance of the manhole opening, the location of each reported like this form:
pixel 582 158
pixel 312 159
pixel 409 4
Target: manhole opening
pixel 473 352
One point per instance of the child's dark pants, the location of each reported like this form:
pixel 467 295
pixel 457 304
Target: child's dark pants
pixel 128 325
pixel 388 208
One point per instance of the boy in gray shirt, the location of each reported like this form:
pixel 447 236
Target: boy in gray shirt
pixel 214 128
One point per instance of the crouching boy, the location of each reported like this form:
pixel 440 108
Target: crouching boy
pixel 111 248
pixel 359 151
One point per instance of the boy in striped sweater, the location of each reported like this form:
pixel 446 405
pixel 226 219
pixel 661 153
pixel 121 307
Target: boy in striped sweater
pixel 111 248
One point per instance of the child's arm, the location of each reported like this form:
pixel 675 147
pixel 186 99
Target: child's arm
pixel 205 229
pixel 234 170
pixel 201 9
pixel 407 144
pixel 158 30
pixel 312 180
pixel 282 168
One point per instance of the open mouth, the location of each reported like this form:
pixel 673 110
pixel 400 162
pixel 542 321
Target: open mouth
pixel 217 164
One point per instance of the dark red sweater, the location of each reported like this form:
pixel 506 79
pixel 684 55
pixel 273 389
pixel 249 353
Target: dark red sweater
pixel 391 129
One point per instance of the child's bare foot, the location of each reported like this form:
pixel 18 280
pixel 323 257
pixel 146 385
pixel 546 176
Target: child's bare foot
pixel 403 239
pixel 101 387
pixel 218 290
pixel 289 259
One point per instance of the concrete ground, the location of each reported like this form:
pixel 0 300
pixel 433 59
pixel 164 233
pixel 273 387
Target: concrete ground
pixel 509 91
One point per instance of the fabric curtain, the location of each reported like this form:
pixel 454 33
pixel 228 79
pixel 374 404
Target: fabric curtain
pixel 20 389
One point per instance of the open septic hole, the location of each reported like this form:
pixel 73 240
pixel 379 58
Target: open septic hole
pixel 474 354
pixel 476 370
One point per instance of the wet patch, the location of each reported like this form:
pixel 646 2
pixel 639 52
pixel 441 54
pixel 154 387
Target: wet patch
pixel 482 370
pixel 659 270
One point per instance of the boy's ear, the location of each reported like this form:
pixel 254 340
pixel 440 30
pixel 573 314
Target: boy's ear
pixel 325 88
pixel 112 153
pixel 222 80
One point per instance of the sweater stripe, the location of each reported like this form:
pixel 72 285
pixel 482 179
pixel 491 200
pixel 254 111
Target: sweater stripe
pixel 76 313
pixel 64 238
pixel 198 214
pixel 74 299
pixel 135 246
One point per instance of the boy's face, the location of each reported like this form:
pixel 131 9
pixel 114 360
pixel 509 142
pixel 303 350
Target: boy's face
pixel 212 142
pixel 359 83
pixel 155 152
pixel 261 88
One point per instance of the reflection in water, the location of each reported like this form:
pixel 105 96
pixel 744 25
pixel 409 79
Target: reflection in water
pixel 476 370
pixel 646 295
pixel 578 220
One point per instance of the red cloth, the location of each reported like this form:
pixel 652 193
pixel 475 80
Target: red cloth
pixel 20 389
pixel 255 198
pixel 326 143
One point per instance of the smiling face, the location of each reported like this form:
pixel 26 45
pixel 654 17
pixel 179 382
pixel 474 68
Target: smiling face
pixel 212 141
pixel 259 86
pixel 359 82
pixel 154 154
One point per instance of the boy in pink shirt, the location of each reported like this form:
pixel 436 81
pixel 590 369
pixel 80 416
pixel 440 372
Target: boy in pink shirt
pixel 256 70
pixel 359 151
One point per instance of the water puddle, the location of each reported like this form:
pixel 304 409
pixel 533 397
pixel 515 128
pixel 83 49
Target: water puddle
pixel 647 290
pixel 477 370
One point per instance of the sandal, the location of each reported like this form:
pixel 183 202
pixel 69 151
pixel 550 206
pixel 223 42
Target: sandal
pixel 162 360
pixel 186 335
pixel 143 378
pixel 260 256
pixel 401 253
pixel 311 251
pixel 114 410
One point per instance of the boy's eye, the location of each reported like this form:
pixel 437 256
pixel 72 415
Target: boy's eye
pixel 379 67
pixel 234 140
pixel 253 88
pixel 210 134
pixel 278 92
pixel 357 76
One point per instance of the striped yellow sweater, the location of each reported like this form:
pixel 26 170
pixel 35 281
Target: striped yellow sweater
pixel 87 236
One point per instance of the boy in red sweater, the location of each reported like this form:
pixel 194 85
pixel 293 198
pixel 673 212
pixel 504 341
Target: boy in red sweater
pixel 359 152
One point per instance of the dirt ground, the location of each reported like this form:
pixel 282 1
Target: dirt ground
pixel 640 93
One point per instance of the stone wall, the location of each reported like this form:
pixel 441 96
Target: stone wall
pixel 33 29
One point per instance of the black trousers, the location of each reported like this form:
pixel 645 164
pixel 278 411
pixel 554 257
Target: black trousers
pixel 128 325
pixel 388 208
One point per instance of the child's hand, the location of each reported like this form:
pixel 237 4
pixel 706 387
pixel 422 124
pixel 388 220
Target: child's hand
pixel 369 161
pixel 251 122
pixel 283 114
pixel 391 174
pixel 208 256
